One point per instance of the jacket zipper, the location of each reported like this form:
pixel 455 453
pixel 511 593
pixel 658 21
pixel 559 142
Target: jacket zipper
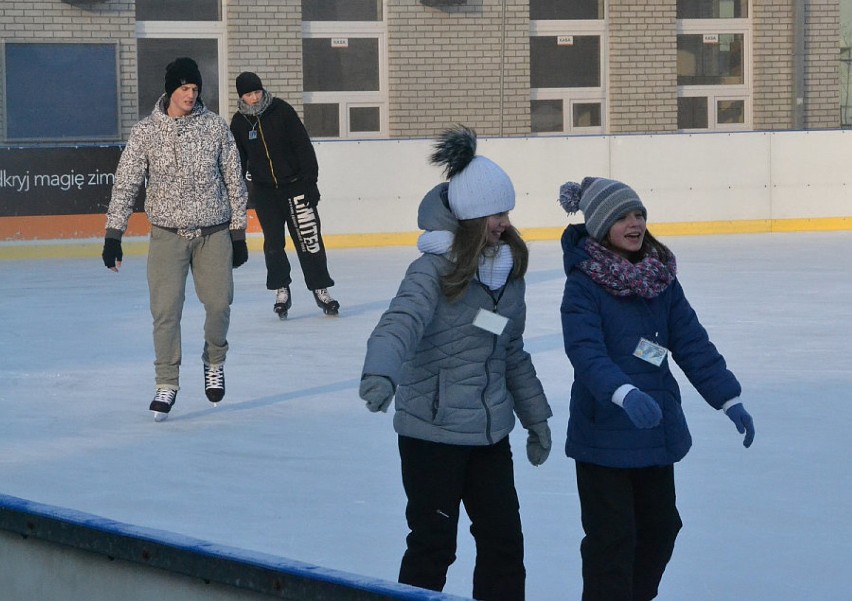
pixel 266 149
pixel 494 337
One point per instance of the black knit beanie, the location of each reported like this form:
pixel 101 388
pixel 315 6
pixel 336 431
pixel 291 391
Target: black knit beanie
pixel 248 82
pixel 182 71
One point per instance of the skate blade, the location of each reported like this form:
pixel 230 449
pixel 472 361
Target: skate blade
pixel 159 416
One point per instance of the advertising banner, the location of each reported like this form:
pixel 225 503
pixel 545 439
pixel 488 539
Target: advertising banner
pixel 66 180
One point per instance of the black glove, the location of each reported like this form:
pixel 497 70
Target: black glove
pixel 112 252
pixel 240 252
pixel 312 195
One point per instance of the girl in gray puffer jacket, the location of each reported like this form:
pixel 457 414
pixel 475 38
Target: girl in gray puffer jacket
pixel 450 347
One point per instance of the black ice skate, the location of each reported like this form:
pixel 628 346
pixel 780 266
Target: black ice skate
pixel 163 401
pixel 214 382
pixel 283 302
pixel 328 305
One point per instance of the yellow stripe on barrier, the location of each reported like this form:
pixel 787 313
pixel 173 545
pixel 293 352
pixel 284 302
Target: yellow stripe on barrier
pixel 137 246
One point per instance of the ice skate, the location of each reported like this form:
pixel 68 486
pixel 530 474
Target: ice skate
pixel 214 382
pixel 283 302
pixel 328 305
pixel 163 401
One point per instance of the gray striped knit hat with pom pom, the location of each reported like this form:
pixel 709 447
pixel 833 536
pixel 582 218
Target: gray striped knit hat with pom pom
pixel 602 201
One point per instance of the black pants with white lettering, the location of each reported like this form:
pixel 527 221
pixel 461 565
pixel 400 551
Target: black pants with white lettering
pixel 631 522
pixel 437 478
pixel 275 210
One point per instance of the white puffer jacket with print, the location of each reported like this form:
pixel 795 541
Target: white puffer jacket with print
pixel 193 174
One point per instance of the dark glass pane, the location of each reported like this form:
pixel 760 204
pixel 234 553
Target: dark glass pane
pixel 692 113
pixel 322 120
pixel 562 10
pixel 364 118
pixel 341 10
pixel 174 10
pixel 730 111
pixel 353 68
pixel 546 116
pixel 587 114
pixel 61 91
pixel 712 9
pixel 156 53
pixel 715 62
pixel 565 66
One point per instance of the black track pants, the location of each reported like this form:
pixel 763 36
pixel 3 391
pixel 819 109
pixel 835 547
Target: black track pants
pixel 275 209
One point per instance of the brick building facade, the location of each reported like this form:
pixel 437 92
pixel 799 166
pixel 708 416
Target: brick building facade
pixel 470 61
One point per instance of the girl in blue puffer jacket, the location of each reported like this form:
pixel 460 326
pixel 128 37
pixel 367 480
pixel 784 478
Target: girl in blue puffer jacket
pixel 450 348
pixel 624 314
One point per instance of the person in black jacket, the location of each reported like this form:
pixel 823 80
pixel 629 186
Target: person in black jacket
pixel 281 168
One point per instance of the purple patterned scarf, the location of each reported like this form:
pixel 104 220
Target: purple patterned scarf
pixel 618 276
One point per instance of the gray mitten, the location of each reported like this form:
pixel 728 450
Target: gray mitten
pixel 538 443
pixel 377 391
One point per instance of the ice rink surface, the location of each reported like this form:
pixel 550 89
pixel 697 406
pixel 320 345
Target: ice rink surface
pixel 292 464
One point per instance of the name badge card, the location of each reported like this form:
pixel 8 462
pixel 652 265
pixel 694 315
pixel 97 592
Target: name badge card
pixel 252 135
pixel 651 352
pixel 490 322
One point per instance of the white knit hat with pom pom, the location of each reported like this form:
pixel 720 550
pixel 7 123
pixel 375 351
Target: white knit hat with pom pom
pixel 478 187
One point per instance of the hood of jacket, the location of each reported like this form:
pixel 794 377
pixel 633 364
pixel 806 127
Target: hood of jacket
pixel 161 116
pixel 434 213
pixel 573 246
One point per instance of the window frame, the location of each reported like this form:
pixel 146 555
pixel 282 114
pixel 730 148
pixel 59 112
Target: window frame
pixel 379 98
pixel 715 93
pixel 210 30
pixel 571 96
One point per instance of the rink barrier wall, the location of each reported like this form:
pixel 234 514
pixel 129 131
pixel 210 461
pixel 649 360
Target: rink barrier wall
pixel 691 184
pixel 57 554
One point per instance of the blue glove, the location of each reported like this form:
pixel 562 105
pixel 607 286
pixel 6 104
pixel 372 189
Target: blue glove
pixel 377 391
pixel 538 443
pixel 642 410
pixel 743 421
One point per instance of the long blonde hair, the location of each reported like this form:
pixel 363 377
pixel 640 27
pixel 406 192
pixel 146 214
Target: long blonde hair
pixel 469 243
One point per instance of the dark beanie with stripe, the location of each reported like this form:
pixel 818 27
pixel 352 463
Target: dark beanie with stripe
pixel 602 201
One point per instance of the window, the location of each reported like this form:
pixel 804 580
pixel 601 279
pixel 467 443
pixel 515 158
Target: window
pixel 156 53
pixel 57 92
pixel 845 63
pixel 710 59
pixel 712 9
pixel 185 10
pixel 560 10
pixel 567 46
pixel 166 30
pixel 344 70
pixel 713 65
pixel 565 62
pixel 341 10
pixel 340 64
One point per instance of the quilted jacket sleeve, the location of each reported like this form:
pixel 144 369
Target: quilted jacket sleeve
pixel 583 334
pixel 402 326
pixel 692 350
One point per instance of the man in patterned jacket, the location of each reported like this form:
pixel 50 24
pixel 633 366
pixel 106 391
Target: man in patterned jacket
pixel 195 200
